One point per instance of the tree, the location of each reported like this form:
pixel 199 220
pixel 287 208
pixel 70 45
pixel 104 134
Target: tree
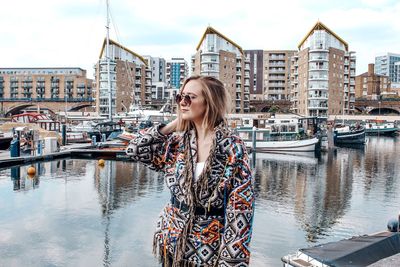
pixel 273 109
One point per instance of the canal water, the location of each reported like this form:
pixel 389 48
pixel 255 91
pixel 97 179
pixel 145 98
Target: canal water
pixel 76 213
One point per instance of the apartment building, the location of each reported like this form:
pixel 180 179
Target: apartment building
pixel 158 68
pixel 385 65
pixel 396 81
pixel 45 85
pixel 323 74
pixel 222 58
pixel 256 73
pixel 277 66
pixel 177 72
pixel 130 80
pixel 370 85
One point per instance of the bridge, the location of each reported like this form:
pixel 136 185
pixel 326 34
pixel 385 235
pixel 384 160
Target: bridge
pixel 371 107
pixel 281 106
pixel 10 107
pixel 376 107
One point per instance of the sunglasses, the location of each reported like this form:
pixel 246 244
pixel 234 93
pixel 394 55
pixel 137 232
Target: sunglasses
pixel 185 98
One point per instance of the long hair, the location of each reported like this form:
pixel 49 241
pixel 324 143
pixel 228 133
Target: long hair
pixel 217 102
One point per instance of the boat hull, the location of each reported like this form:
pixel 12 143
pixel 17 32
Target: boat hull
pixel 5 142
pixel 306 145
pixel 383 131
pixel 348 138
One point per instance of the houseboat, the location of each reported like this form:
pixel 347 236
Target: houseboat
pixel 279 135
pixel 379 127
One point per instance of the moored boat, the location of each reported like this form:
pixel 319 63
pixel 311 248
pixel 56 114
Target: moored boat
pixel 5 140
pixel 128 134
pixel 362 250
pixel 349 135
pixel 377 127
pixel 281 136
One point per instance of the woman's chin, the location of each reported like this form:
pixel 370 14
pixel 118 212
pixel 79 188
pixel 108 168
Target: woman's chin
pixel 185 117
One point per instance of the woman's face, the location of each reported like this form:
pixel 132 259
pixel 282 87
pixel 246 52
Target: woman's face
pixel 196 109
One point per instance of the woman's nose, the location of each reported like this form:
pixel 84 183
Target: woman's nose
pixel 183 102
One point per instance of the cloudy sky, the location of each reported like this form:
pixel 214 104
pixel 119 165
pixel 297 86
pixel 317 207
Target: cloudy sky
pixel 69 33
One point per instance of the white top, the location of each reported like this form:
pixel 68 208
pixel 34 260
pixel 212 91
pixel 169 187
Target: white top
pixel 198 170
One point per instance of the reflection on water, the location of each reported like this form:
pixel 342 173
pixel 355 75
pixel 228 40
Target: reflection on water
pixel 75 212
pixel 303 201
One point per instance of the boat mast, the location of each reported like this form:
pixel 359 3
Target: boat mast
pixel 108 64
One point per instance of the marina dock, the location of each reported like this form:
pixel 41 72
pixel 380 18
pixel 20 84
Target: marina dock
pixel 106 150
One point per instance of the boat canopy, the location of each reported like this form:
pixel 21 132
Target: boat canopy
pixel 356 251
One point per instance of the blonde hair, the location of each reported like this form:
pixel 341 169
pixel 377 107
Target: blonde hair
pixel 217 101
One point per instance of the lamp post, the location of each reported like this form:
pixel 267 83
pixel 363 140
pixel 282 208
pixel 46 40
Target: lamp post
pixel 379 108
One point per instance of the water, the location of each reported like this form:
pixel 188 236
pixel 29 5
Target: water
pixel 76 213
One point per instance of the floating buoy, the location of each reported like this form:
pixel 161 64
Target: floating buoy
pixel 31 171
pixel 101 162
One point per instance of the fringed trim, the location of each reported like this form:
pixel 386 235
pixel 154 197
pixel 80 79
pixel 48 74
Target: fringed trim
pixel 188 187
pixel 192 195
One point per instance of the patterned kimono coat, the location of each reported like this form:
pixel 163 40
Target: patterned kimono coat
pixel 216 239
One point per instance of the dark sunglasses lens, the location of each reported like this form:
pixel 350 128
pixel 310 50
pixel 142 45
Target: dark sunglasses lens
pixel 186 99
pixel 178 98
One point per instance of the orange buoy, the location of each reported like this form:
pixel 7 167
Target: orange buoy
pixel 101 162
pixel 31 171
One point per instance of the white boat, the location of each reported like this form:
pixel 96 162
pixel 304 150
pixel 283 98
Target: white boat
pixel 137 115
pixel 78 137
pixel 356 251
pixel 304 145
pixel 84 126
pixel 279 136
pixel 128 133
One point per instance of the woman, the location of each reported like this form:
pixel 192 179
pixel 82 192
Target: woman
pixel 208 221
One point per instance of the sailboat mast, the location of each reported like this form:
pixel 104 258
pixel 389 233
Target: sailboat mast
pixel 108 64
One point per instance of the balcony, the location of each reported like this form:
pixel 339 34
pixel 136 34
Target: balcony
pixel 321 68
pixel 318 59
pixel 317 87
pixel 209 51
pixel 318 107
pixel 318 97
pixel 276 70
pixel 277 64
pixel 320 49
pixel 316 78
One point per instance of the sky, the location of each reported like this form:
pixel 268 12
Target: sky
pixel 69 33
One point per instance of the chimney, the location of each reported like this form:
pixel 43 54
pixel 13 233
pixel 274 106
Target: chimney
pixel 371 68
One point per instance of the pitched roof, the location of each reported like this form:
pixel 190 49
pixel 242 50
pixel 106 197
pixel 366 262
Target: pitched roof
pixel 320 26
pixel 211 30
pixel 122 47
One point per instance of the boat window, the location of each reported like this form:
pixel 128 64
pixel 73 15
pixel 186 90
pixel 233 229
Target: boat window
pixel 244 135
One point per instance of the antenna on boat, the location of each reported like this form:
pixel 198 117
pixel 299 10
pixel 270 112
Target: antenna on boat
pixel 108 63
